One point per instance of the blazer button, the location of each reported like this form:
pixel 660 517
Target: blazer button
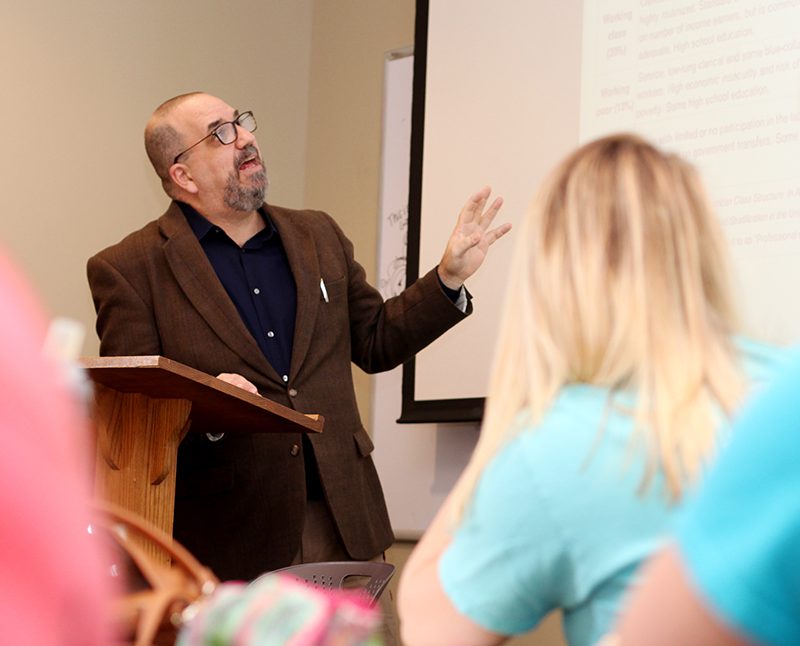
pixel 294 451
pixel 292 392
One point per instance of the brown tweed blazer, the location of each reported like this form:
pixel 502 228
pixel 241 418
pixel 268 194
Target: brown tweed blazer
pixel 240 501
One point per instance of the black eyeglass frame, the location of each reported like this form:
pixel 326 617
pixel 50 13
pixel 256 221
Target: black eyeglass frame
pixel 237 123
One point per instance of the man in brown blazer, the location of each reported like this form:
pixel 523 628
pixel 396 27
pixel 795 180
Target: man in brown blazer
pixel 271 300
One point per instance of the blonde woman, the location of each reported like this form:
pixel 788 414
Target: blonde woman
pixel 615 376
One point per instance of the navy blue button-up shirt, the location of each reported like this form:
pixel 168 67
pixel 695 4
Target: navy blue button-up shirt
pixel 259 282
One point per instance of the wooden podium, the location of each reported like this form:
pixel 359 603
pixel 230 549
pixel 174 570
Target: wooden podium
pixel 143 408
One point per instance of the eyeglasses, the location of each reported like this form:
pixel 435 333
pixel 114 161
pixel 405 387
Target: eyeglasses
pixel 226 133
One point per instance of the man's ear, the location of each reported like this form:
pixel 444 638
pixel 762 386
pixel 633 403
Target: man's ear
pixel 182 178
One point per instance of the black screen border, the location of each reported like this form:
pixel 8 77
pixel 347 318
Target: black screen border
pixel 415 411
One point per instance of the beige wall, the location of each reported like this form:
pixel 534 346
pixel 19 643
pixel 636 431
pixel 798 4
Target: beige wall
pixel 81 78
pixel 79 81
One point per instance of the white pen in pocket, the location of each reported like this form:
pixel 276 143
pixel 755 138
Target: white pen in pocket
pixel 323 290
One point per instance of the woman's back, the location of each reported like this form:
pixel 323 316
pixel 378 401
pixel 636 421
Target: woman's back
pixel 558 519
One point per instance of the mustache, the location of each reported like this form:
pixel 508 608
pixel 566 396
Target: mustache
pixel 248 152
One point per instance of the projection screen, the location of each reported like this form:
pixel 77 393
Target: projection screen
pixel 503 89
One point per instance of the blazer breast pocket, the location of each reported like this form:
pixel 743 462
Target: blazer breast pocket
pixel 332 290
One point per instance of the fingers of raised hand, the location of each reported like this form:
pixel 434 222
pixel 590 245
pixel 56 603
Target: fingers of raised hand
pixel 493 235
pixel 488 216
pixel 473 209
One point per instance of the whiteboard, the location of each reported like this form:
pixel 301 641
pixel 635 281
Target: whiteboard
pixel 418 463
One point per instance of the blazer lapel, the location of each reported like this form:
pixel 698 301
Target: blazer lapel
pixel 304 263
pixel 199 282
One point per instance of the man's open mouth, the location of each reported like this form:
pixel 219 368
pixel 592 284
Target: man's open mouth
pixel 251 162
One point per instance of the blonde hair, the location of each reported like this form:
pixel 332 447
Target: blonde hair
pixel 619 279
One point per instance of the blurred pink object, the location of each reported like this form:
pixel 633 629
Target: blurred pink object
pixel 53 589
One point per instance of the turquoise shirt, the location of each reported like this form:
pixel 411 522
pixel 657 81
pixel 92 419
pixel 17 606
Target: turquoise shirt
pixel 557 520
pixel 740 537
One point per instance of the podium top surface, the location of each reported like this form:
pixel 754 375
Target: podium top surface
pixel 216 405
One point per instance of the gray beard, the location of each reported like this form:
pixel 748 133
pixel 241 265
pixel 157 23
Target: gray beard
pixel 242 198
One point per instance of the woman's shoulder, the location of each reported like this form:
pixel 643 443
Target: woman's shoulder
pixel 570 425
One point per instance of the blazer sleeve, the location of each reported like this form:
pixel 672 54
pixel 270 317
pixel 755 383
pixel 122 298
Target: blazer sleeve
pixel 125 322
pixel 385 334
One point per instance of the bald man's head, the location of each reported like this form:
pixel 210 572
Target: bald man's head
pixel 162 141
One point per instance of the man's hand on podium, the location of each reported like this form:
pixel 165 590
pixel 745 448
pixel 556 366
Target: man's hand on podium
pixel 238 381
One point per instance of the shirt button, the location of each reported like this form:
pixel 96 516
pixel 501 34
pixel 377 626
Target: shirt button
pixel 285 378
pixel 256 291
pixel 292 392
pixel 294 451
pixel 270 334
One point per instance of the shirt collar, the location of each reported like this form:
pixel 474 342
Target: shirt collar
pixel 201 226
